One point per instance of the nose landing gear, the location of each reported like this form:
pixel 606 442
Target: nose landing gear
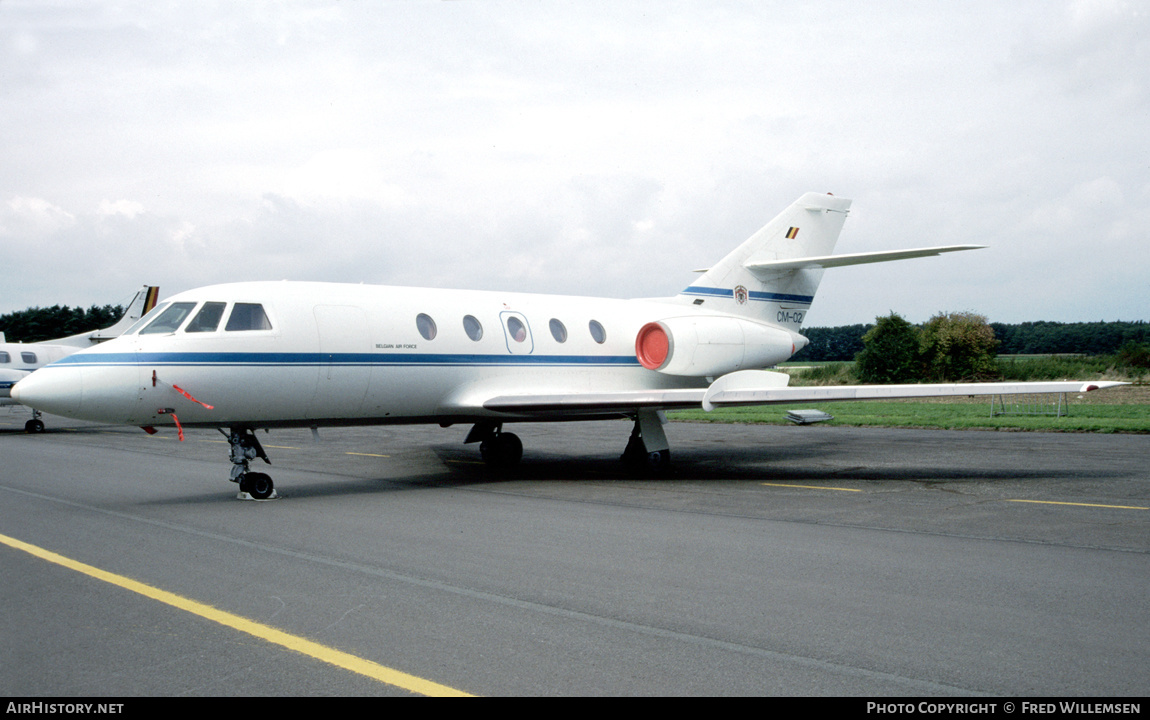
pixel 245 447
pixel 35 425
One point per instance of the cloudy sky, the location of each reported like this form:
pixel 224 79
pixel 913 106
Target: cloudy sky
pixel 601 148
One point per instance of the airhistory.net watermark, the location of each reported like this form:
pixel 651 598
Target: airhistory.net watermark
pixel 54 708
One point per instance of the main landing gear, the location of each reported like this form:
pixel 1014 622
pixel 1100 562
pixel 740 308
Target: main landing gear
pixel 647 450
pixel 500 450
pixel 245 447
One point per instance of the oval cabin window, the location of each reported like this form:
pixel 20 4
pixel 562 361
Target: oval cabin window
pixel 597 332
pixel 516 329
pixel 558 331
pixel 473 327
pixel 426 326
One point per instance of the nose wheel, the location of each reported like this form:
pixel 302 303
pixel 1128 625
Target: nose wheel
pixel 35 425
pixel 258 485
pixel 245 447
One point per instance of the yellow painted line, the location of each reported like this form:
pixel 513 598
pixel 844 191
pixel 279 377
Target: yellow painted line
pixel 1053 502
pixel 367 454
pixel 812 487
pixel 307 647
pixel 282 447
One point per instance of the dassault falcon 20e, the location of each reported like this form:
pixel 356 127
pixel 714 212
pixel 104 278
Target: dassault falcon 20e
pixel 256 355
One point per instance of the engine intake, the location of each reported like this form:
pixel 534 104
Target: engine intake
pixel 711 346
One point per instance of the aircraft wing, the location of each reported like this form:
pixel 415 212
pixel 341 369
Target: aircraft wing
pixel 749 387
pixel 757 387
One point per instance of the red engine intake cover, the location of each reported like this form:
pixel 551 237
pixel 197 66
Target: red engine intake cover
pixel 652 346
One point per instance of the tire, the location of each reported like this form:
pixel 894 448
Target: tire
pixel 258 485
pixel 502 451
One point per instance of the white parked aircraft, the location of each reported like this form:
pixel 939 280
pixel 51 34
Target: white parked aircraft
pixel 17 360
pixel 280 354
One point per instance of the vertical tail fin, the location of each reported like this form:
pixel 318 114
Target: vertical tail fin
pixel 141 304
pixel 144 301
pixel 810 227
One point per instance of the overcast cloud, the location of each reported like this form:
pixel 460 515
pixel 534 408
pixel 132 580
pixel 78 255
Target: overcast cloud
pixel 577 147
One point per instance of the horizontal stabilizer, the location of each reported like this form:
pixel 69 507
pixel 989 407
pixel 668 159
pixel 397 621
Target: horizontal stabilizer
pixel 770 267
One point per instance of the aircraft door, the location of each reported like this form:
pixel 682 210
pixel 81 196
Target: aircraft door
pixel 344 361
pixel 517 332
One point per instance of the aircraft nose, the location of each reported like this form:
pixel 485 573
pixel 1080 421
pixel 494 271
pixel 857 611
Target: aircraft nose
pixel 58 391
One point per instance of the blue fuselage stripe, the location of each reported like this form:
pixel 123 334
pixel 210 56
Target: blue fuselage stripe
pixel 754 295
pixel 342 359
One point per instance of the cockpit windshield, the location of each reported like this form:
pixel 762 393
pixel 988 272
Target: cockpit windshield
pixel 208 318
pixel 170 319
pixel 148 317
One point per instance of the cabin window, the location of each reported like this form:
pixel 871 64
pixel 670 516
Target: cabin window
pixel 28 357
pixel 170 319
pixel 472 327
pixel 426 326
pixel 516 329
pixel 208 318
pixel 248 316
pixel 5 357
pixel 597 332
pixel 558 331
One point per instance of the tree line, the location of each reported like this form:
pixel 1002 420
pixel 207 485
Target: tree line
pixel 39 324
pixel 1042 337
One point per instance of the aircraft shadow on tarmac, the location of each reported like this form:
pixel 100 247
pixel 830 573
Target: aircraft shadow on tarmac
pixel 810 461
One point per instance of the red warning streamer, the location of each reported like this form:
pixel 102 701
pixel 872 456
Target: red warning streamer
pixel 185 393
pixel 179 427
pixel 172 412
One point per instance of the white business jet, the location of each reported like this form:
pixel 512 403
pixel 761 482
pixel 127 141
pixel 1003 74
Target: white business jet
pixel 255 355
pixel 17 360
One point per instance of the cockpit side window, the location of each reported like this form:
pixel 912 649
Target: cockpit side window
pixel 248 316
pixel 169 320
pixel 208 318
pixel 149 317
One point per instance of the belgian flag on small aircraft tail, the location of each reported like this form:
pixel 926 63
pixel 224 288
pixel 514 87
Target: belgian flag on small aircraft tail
pixel 792 233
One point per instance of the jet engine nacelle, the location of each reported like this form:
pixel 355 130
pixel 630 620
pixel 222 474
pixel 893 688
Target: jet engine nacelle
pixel 711 346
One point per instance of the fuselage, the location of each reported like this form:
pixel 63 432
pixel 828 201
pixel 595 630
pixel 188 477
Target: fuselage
pixel 274 354
pixel 17 360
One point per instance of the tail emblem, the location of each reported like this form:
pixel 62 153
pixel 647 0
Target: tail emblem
pixel 792 233
pixel 741 295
